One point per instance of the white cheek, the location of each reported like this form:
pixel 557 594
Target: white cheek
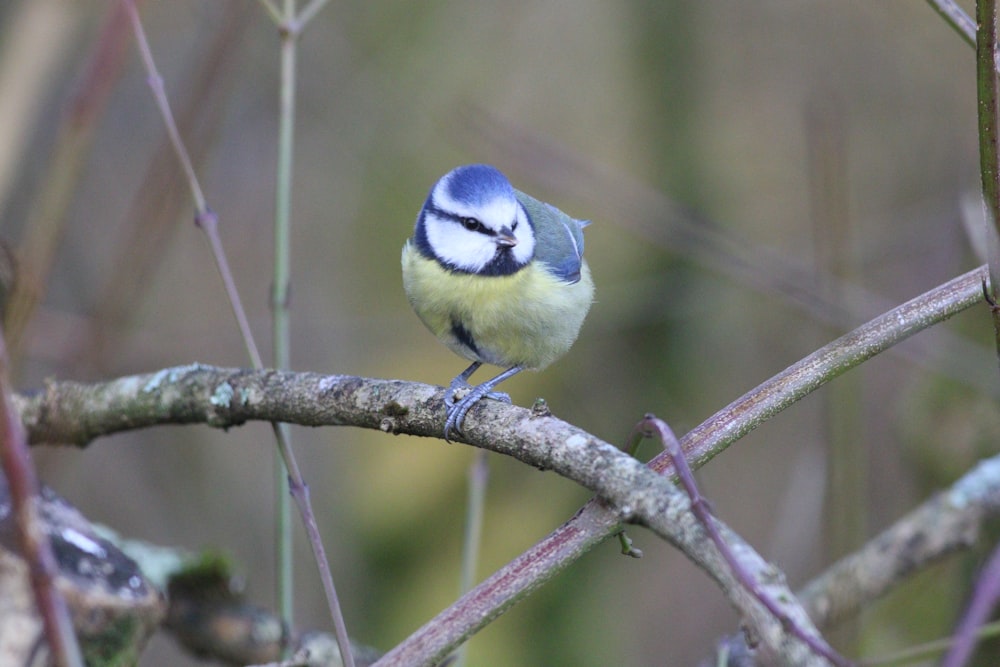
pixel 458 246
pixel 525 248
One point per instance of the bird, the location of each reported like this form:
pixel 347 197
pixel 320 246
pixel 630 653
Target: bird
pixel 498 276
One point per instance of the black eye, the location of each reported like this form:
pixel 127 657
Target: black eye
pixel 513 226
pixel 471 224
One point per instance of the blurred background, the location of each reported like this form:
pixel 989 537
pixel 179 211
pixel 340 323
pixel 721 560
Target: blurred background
pixel 761 178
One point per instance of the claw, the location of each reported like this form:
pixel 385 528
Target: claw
pixel 501 396
pixel 456 413
pixel 458 409
pixel 459 383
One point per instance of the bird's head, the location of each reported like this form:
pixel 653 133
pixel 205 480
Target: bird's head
pixel 472 222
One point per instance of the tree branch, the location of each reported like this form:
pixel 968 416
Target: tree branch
pixel 595 522
pixel 75 413
pixel 945 523
pixel 225 397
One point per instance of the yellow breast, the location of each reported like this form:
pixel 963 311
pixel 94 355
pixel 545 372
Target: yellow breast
pixel 527 319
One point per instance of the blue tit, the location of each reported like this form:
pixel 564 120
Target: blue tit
pixel 498 276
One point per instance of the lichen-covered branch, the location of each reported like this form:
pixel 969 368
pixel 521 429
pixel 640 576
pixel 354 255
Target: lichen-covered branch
pixel 75 413
pixel 224 397
pixel 945 523
pixel 595 522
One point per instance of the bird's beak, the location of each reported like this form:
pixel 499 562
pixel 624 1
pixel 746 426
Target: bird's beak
pixel 505 238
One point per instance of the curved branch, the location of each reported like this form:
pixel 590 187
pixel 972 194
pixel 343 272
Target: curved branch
pixel 595 522
pixel 76 413
pixel 835 358
pixel 224 397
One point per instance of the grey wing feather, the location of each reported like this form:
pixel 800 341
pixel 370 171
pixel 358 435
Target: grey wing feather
pixel 558 238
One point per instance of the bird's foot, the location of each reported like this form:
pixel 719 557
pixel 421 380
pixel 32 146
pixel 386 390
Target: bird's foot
pixel 457 409
pixel 460 384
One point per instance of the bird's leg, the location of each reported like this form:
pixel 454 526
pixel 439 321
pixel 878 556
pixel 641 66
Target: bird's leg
pixel 457 411
pixel 460 382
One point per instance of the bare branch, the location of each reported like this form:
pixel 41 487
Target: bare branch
pixel 70 412
pixel 947 522
pixel 18 477
pixel 221 397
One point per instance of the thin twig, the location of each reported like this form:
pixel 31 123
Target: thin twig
pixel 271 10
pixel 299 491
pixel 928 650
pixel 208 222
pixel 205 219
pixel 308 13
pixel 956 17
pixel 155 82
pixel 989 158
pixel 293 483
pixel 984 599
pixel 23 485
pixel 280 316
pixel 479 474
pixel 155 211
pixel 651 426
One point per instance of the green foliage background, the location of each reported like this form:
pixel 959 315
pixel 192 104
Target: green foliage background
pixel 637 115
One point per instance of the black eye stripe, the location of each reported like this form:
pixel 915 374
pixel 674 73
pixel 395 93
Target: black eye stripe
pixel 468 222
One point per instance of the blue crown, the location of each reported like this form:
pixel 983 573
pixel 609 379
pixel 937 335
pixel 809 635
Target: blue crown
pixel 478 184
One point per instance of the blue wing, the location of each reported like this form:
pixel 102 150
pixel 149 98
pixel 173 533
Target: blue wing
pixel 558 238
